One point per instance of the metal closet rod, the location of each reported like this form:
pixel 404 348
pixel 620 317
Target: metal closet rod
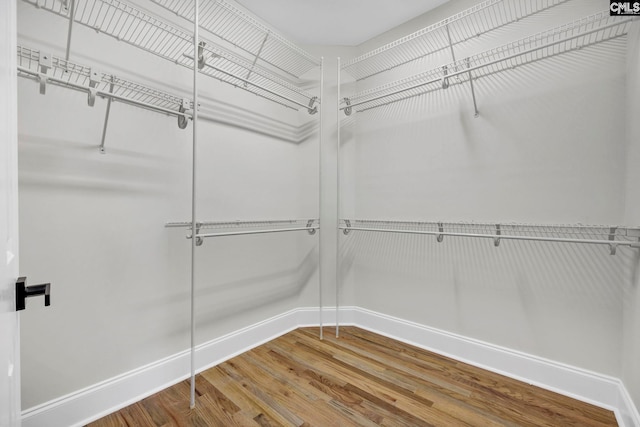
pixel 486 64
pixel 104 94
pixel 498 236
pixel 237 223
pixel 274 230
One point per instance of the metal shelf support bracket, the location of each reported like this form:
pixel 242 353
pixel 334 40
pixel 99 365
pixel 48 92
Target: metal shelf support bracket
pixel 313 109
pixel 106 117
pixel 184 107
pixel 612 237
pixel 45 63
pixel 311 231
pixel 94 80
pixel 347 110
pixel 347 224
pixel 473 92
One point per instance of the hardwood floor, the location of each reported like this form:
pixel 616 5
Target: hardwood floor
pixel 360 379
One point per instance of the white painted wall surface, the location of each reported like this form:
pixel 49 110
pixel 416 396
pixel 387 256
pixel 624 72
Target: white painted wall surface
pixel 93 225
pixel 549 147
pixel 631 347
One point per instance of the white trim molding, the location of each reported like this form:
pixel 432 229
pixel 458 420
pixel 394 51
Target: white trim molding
pixel 98 400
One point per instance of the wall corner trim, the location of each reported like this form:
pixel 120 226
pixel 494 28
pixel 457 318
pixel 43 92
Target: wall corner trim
pixel 98 400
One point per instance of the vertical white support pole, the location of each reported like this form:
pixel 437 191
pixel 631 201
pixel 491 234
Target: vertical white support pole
pixel 194 159
pixel 320 194
pixel 338 206
pixel 72 14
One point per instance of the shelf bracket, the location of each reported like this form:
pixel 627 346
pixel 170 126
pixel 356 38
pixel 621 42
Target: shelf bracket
pixel 473 92
pixel 106 117
pixel 199 240
pixel 453 54
pixel 347 110
pixel 255 60
pixel 94 80
pixel 496 241
pixel 201 61
pixel 612 237
pixel 182 119
pixel 313 110
pixel 347 224
pixel 72 14
pixel 445 79
pixel 45 63
pixel 310 230
pixel 440 230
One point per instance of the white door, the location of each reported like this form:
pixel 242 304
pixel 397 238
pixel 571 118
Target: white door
pixel 9 321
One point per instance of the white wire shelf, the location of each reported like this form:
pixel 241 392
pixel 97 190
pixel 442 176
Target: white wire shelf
pixel 130 25
pixel 587 31
pixel 612 236
pixel 232 25
pixel 237 228
pixel 50 69
pixel 444 35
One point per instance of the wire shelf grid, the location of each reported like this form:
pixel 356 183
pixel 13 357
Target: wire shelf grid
pixel 237 228
pixel 241 30
pixel 473 22
pixel 572 233
pixel 79 77
pixel 133 26
pixel 584 32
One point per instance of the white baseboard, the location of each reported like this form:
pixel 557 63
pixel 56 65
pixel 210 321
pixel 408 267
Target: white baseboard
pixel 101 399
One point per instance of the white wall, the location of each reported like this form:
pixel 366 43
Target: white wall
pixel 631 348
pixel 549 147
pixel 93 225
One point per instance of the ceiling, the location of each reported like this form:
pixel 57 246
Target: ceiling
pixel 336 22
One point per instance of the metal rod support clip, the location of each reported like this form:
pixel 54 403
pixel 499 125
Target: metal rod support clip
pixel 199 240
pixel 347 224
pixel 445 79
pixel 496 241
pixel 313 109
pixel 347 110
pixel 182 119
pixel 44 62
pixel 612 237
pixel 201 61
pixel 311 230
pixel 94 80
pixel 440 237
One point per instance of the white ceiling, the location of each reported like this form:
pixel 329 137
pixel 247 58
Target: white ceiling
pixel 336 22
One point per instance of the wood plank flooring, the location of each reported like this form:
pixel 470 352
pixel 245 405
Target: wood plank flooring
pixel 360 379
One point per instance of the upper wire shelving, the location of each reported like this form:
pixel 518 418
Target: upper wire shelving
pixel 584 32
pixel 246 33
pixel 473 22
pixel 470 23
pixel 131 25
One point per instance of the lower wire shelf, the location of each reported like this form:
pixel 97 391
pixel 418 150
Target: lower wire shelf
pixel 237 228
pixel 610 235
